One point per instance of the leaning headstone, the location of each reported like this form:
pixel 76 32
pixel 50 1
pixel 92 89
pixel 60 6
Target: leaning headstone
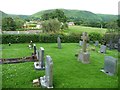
pixel 59 42
pixel 40 65
pixel 47 80
pixel 84 56
pixel 110 65
pixel 96 43
pixel 103 49
pixel 80 43
pixel 34 47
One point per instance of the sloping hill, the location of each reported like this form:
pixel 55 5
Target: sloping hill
pixel 81 15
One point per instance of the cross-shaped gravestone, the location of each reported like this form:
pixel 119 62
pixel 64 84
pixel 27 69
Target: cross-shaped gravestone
pixel 59 42
pixel 34 46
pixel 47 80
pixel 85 38
pixel 110 65
pixel 40 65
pixel 84 55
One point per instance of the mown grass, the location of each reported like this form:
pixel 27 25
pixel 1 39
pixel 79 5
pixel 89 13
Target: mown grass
pixel 80 29
pixel 67 71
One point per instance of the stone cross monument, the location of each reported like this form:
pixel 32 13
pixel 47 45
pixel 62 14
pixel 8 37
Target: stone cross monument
pixel 85 38
pixel 84 55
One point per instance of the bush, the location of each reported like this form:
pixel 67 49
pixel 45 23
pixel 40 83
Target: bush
pixel 95 36
pixel 47 38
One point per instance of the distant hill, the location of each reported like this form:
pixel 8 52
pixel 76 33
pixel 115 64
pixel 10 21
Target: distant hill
pixel 82 15
pixel 71 15
pixel 14 16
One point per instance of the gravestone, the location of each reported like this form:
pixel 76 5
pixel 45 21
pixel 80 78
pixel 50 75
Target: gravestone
pixel 110 45
pixel 116 46
pixel 84 55
pixel 91 42
pixel 103 49
pixel 119 45
pixel 59 42
pixel 40 65
pixel 110 65
pixel 96 43
pixel 80 43
pixel 47 80
pixel 9 44
pixel 37 54
pixel 34 47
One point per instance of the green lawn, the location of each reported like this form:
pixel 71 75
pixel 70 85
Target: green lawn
pixel 67 71
pixel 80 29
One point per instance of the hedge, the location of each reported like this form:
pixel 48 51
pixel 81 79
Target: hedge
pixel 46 38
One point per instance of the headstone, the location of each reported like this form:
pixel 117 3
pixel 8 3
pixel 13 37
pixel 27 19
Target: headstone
pixel 110 45
pixel 103 49
pixel 9 44
pixel 91 42
pixel 34 46
pixel 84 55
pixel 96 43
pixel 40 65
pixel 80 43
pixel 119 45
pixel 116 46
pixel 110 65
pixel 47 80
pixel 37 54
pixel 59 42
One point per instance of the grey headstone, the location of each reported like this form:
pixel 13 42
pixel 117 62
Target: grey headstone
pixel 80 43
pixel 47 80
pixel 110 45
pixel 59 42
pixel 96 43
pixel 110 65
pixel 103 49
pixel 116 46
pixel 40 65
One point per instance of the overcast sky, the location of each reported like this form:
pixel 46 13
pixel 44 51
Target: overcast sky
pixel 28 7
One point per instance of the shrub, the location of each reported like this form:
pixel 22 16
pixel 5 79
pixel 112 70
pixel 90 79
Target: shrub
pixel 47 38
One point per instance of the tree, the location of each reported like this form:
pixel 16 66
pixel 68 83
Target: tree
pixel 59 14
pixel 8 24
pixel 19 23
pixel 51 25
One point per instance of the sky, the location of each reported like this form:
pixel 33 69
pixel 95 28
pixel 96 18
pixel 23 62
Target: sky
pixel 29 7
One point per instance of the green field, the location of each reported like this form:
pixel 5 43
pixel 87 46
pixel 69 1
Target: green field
pixel 80 29
pixel 67 71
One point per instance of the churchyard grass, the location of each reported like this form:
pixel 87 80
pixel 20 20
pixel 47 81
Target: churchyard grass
pixel 67 71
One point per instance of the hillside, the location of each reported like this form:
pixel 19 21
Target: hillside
pixel 13 16
pixel 81 15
